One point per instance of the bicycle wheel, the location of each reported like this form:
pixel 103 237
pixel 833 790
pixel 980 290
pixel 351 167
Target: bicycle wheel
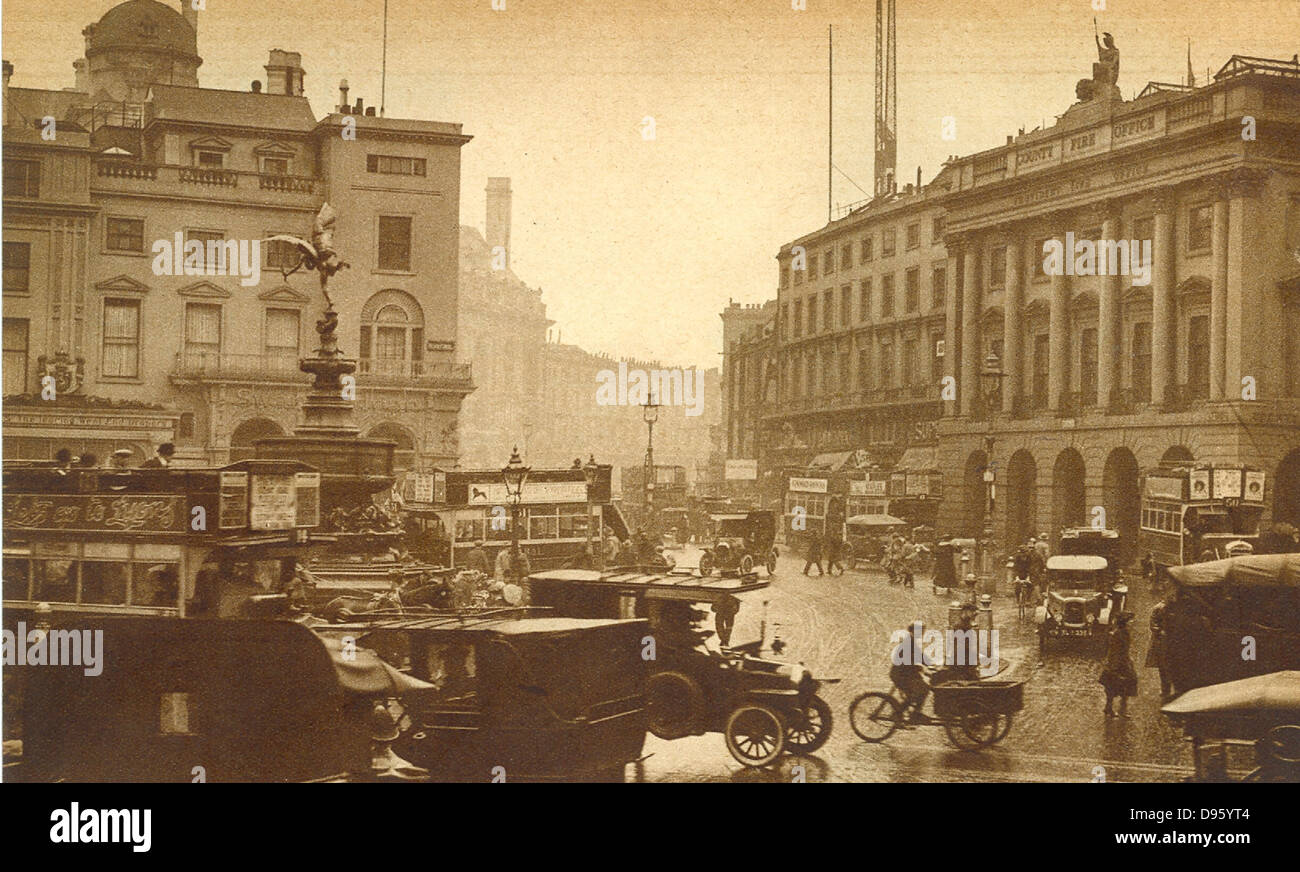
pixel 875 716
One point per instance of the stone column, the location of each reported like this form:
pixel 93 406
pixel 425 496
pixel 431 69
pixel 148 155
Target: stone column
pixel 969 383
pixel 1219 293
pixel 952 317
pixel 1163 360
pixel 1109 352
pixel 1246 302
pixel 1013 304
pixel 1058 328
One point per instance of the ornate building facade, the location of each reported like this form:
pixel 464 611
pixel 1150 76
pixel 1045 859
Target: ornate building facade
pixel 139 153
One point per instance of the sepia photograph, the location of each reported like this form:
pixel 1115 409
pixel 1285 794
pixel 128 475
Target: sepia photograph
pixel 760 391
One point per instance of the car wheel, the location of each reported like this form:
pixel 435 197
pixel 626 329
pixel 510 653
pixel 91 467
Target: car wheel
pixel 810 727
pixel 771 562
pixel 746 565
pixel 675 702
pixel 755 734
pixel 706 564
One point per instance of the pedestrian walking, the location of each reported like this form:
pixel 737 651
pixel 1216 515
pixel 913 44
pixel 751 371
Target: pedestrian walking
pixel 1157 650
pixel 1118 676
pixel 814 554
pixel 834 551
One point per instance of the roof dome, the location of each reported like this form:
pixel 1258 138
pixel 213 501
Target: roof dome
pixel 142 24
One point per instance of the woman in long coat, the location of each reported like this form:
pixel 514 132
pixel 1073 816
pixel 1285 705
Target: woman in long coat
pixel 1118 676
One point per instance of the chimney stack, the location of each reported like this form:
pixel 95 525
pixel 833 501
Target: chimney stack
pixel 284 73
pixel 343 95
pixel 498 214
pixel 190 14
pixel 4 111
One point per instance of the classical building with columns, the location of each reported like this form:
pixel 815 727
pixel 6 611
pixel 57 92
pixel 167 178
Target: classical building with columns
pixel 1067 383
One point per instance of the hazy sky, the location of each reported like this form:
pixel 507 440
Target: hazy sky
pixel 639 244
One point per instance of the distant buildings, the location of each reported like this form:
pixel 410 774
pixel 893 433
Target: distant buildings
pixel 139 152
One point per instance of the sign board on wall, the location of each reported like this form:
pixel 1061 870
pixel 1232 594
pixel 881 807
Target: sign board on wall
pixel 808 485
pixel 742 470
pixel 494 493
pixel 273 503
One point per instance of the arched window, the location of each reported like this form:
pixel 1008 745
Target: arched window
pixel 243 436
pixel 404 453
pixel 392 335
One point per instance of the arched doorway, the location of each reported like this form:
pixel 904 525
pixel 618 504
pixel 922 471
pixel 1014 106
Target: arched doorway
pixel 1286 490
pixel 1122 499
pixel 1069 497
pixel 973 489
pixel 404 453
pixel 1021 498
pixel 241 440
pixel 1178 455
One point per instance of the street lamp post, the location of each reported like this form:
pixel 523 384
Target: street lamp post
pixel 589 472
pixel 515 474
pixel 650 414
pixel 991 376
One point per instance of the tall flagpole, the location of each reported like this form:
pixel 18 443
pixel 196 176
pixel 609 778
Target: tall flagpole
pixel 830 118
pixel 383 74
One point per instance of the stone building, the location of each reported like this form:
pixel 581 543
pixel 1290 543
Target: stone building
pixel 965 344
pixel 139 154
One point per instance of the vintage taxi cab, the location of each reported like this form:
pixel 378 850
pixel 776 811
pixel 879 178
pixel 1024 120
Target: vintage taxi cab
pixel 1081 598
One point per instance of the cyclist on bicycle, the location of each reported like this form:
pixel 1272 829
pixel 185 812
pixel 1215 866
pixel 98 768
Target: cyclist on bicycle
pixel 908 672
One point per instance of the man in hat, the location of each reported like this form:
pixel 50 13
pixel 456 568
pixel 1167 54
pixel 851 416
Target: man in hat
pixel 162 458
pixel 477 559
pixel 120 459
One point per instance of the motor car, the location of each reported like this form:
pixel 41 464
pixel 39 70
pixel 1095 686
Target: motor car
pixel 738 542
pixel 1080 597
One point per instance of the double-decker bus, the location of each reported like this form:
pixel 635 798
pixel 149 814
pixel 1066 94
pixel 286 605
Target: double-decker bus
pixel 1190 513
pixel 472 505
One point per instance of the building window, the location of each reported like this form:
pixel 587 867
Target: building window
pixel 1200 228
pixel 392 335
pixel 864 369
pixel 865 253
pixel 280 253
pixel 395 243
pixel 209 160
pixel 797 323
pixel 1088 367
pixel 282 332
pixel 1198 356
pixel 936 356
pixel 785 275
pixel 846 256
pixel 15 356
pixel 846 305
pixel 887 242
pixel 887 296
pixel 121 339
pixel 828 262
pixel 22 178
pixel 202 335
pixel 914 235
pixel 785 320
pixel 910 371
pixel 810 376
pixel 912 289
pixel 864 300
pixel 998 267
pixel 812 314
pixel 185 426
pixel 939 287
pixel 395 166
pixel 215 256
pixel 1042 351
pixel 936 230
pixel 812 267
pixel 1141 362
pixel 17 267
pixel 828 310
pixel 124 234
pixel 275 166
pixel 886 364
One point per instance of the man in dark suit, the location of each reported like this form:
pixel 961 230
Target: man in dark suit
pixel 162 458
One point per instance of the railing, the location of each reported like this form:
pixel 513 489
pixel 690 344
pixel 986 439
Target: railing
pixel 117 168
pixel 195 364
pixel 413 369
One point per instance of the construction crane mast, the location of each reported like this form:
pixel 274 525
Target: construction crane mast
pixel 886 98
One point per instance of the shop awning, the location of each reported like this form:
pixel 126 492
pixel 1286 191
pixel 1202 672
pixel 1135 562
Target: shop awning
pixel 919 459
pixel 834 461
